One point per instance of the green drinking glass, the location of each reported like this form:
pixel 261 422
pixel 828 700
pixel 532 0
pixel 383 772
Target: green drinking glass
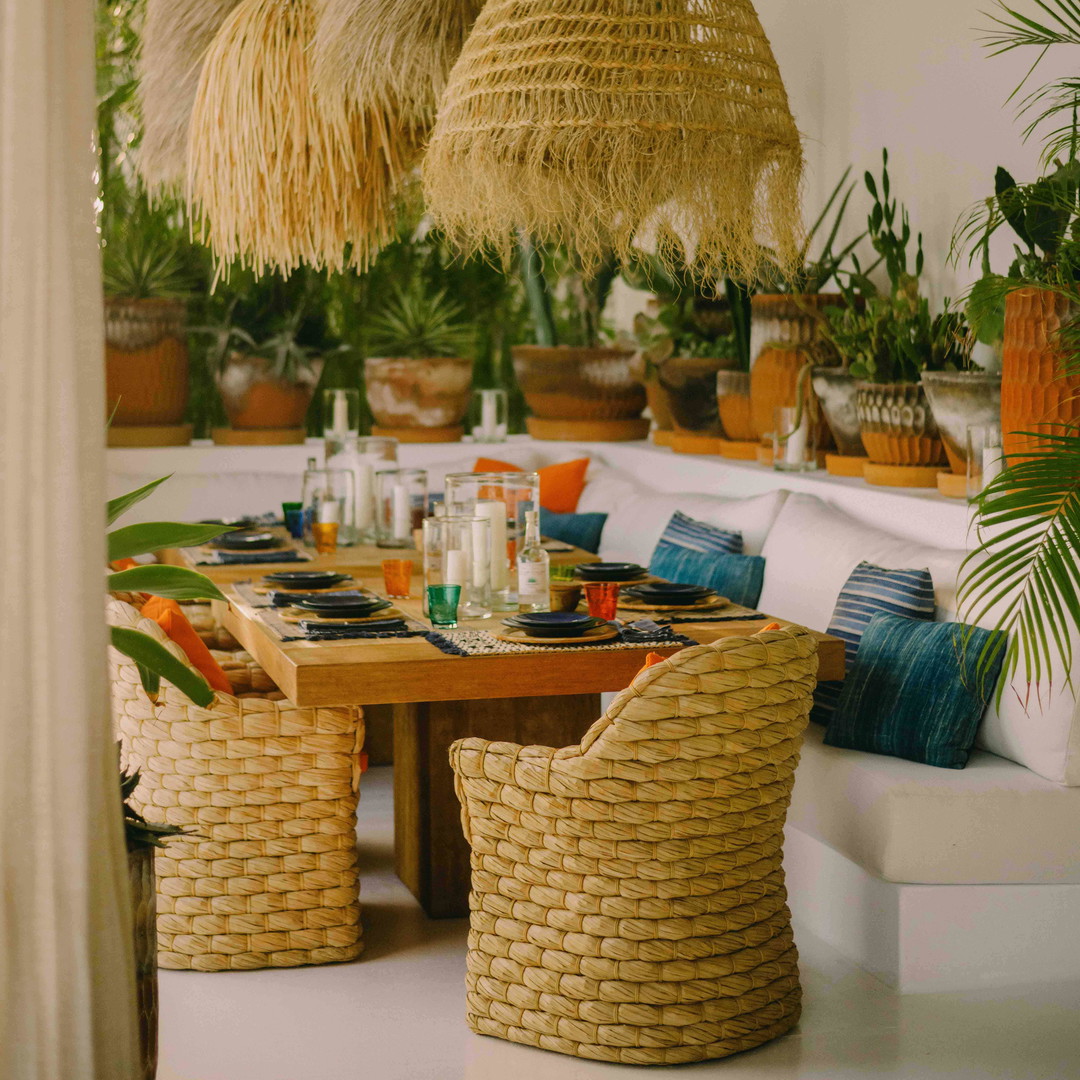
pixel 443 604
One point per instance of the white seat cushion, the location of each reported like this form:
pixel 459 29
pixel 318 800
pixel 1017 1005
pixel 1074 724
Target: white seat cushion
pixel 636 522
pixel 994 822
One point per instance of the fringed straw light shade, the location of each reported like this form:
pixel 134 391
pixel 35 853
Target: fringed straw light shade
pixel 595 122
pixel 173 39
pixel 394 55
pixel 278 176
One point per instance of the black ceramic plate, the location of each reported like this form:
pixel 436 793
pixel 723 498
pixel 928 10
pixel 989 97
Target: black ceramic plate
pixel 248 541
pixel 552 618
pixel 668 590
pixel 610 571
pixel 306 579
pixel 575 630
pixel 343 607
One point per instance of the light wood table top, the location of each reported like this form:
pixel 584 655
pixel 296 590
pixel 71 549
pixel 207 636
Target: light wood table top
pixel 404 670
pixel 362 560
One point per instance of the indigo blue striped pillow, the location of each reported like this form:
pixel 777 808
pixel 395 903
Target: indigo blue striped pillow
pixel 869 591
pixel 909 694
pixel 687 532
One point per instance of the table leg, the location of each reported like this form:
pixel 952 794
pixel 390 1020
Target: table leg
pixel 430 852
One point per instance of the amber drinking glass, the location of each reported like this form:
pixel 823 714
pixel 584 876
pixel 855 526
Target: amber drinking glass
pixel 397 577
pixel 602 598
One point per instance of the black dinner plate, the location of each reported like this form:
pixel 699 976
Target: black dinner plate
pixel 610 571
pixel 248 541
pixel 342 607
pixel 552 618
pixel 571 631
pixel 663 591
pixel 306 579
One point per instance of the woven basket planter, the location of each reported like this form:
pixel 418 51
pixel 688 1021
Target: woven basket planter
pixel 628 897
pixel 271 879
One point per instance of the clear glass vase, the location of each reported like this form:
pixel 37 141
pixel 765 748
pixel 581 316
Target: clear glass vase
pixel 401 504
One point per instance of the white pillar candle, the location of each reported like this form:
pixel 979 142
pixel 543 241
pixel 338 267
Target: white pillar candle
pixel 340 426
pixel 329 510
pixel 457 568
pixel 489 414
pixel 365 495
pixel 400 518
pixel 495 512
pixel 795 446
pixel 480 555
pixel 991 464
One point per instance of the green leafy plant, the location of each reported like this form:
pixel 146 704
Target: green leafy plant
pixel 153 660
pixel 812 275
pixel 416 323
pixel 143 254
pixel 138 832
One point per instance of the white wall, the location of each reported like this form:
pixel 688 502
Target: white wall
pixel 912 76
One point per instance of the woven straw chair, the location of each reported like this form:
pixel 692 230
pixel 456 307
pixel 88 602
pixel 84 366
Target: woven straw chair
pixel 628 897
pixel 269 790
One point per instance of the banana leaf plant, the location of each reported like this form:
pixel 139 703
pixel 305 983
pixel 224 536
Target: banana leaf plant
pixel 153 660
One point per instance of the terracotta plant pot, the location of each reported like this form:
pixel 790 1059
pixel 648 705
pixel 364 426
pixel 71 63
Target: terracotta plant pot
pixel 897 425
pixel 774 381
pixel 689 385
pixel 255 398
pixel 784 319
pixel 959 400
pixel 144 905
pixel 429 393
pixel 836 394
pixel 658 404
pixel 733 405
pixel 146 361
pixel 1034 396
pixel 569 383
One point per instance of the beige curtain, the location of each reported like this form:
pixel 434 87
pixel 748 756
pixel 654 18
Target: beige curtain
pixel 66 981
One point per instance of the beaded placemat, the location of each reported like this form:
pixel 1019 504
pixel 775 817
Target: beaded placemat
pixel 643 634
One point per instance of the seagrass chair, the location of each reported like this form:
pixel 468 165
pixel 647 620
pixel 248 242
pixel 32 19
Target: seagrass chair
pixel 268 791
pixel 628 898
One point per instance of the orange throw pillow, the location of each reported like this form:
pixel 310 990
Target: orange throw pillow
pixel 560 485
pixel 651 660
pixel 167 614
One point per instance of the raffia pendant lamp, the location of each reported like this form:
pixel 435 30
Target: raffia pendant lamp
pixel 276 175
pixel 173 40
pixel 395 55
pixel 597 122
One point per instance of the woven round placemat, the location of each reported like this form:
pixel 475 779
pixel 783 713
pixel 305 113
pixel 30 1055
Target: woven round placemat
pixel 628 898
pixel 268 791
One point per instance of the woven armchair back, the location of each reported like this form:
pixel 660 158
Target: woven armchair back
pixel 628 897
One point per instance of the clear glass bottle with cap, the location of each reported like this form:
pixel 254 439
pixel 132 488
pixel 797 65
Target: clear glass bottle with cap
pixel 533 570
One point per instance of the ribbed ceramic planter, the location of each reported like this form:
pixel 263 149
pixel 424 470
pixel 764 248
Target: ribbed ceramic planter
pixel 959 400
pixel 568 383
pixel 689 387
pixel 836 393
pixel 144 909
pixel 785 319
pixel 146 361
pixel 1034 396
pixel 897 425
pixel 429 393
pixel 256 398
pixel 733 405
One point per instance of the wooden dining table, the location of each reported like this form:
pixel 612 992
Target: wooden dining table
pixel 544 697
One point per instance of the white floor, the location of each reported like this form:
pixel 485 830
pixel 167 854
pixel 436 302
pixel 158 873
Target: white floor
pixel 398 1013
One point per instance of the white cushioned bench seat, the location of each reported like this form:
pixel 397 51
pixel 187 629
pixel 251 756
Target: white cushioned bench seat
pixel 994 822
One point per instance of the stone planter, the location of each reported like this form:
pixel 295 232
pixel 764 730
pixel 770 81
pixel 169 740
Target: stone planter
pixel 897 425
pixel 581 393
pixel 733 405
pixel 689 387
pixel 146 371
pixel 836 393
pixel 144 906
pixel 959 400
pixel 421 400
pixel 1034 396
pixel 262 406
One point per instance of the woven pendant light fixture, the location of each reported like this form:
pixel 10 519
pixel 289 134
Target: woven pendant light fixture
pixel 276 175
pixel 595 123
pixel 172 41
pixel 394 55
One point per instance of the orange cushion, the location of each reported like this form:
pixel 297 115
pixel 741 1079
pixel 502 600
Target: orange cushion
pixel 651 660
pixel 560 485
pixel 770 626
pixel 167 614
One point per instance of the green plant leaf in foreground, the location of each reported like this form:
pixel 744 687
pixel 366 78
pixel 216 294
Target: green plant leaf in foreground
pixel 122 503
pixel 174 582
pixel 1026 568
pixel 150 654
pixel 155 535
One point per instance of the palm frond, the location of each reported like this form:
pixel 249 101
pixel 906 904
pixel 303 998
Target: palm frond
pixel 1025 572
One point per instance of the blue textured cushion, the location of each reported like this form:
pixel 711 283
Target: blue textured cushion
pixel 687 532
pixel 581 530
pixel 869 590
pixel 908 694
pixel 738 577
